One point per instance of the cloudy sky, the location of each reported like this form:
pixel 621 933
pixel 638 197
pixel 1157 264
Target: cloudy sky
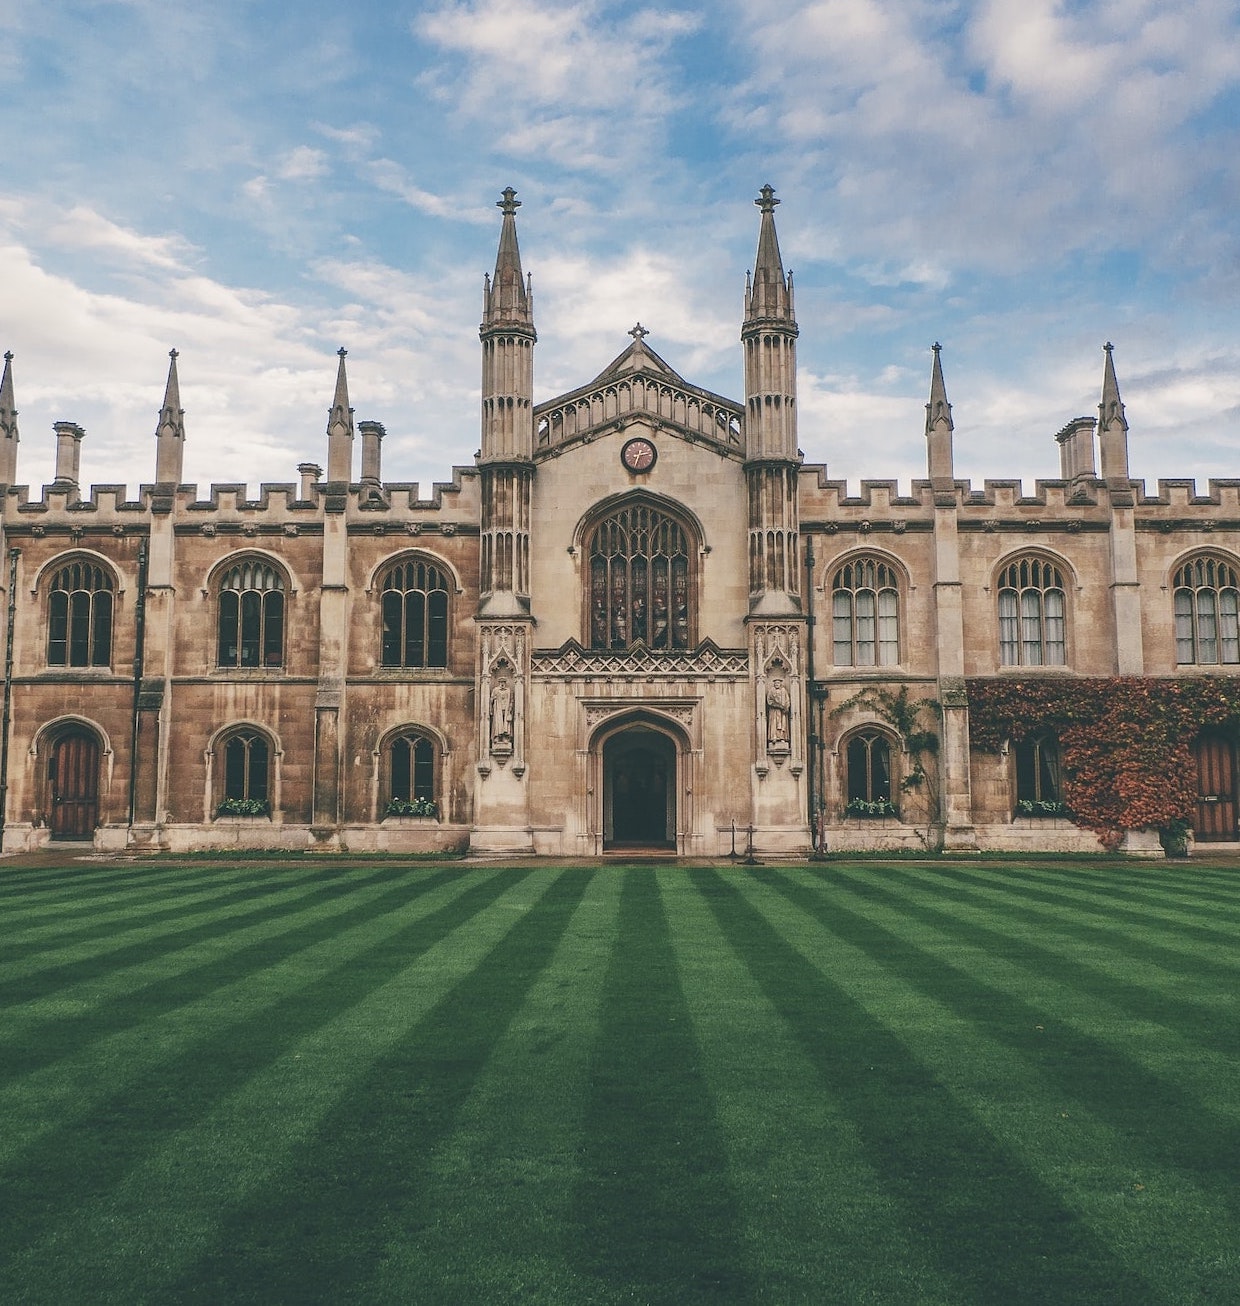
pixel 259 183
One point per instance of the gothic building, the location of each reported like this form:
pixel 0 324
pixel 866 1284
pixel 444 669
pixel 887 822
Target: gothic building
pixel 640 620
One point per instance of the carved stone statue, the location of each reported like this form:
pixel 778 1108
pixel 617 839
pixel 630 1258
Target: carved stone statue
pixel 501 716
pixel 778 713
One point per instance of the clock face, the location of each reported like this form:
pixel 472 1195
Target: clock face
pixel 638 455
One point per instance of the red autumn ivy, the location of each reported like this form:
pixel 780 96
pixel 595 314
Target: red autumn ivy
pixel 1125 741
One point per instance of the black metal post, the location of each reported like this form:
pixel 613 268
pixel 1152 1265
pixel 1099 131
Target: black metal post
pixel 139 663
pixel 14 554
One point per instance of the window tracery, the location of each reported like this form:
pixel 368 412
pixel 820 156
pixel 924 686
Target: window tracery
pixel 79 616
pixel 1207 612
pixel 639 580
pixel 415 615
pixel 865 614
pixel 251 616
pixel 1032 614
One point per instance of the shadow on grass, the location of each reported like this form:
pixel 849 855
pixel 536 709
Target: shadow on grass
pixel 319 1230
pixel 1158 1119
pixel 656 1215
pixel 992 1225
pixel 46 1041
pixel 87 1157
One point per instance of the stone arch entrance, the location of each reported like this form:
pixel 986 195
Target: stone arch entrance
pixel 639 789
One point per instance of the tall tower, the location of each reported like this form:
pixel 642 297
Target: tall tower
pixel 506 470
pixel 506 459
pixel 776 625
pixel 772 461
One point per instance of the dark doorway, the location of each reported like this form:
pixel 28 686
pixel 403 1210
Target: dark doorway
pixel 639 790
pixel 1216 788
pixel 74 776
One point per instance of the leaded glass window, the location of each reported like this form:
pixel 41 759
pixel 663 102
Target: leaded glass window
pixel 415 615
pixel 865 614
pixel 1032 605
pixel 251 619
pixel 79 616
pixel 639 580
pixel 1207 601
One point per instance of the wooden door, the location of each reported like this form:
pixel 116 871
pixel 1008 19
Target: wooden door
pixel 75 787
pixel 1216 788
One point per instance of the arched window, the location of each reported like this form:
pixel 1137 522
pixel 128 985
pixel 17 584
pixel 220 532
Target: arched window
pixel 247 775
pixel 251 630
pixel 411 776
pixel 79 616
pixel 639 580
pixel 1038 776
pixel 868 761
pixel 1031 614
pixel 415 616
pixel 864 614
pixel 1207 599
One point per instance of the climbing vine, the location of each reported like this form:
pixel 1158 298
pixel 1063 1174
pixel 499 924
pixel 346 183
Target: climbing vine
pixel 1125 741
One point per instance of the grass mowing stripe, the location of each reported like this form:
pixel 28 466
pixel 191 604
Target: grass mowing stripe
pixel 149 907
pixel 80 885
pixel 37 1021
pixel 1188 1047
pixel 358 1093
pixel 1181 1147
pixel 135 1118
pixel 373 1183
pixel 1193 969
pixel 998 1229
pixel 63 966
pixel 500 1183
pixel 656 1214
pixel 1101 904
pixel 817 1223
pixel 59 1072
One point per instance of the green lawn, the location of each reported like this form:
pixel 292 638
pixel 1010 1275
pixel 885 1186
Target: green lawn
pixel 915 1082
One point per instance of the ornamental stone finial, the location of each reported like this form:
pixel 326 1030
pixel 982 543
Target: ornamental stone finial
pixel 766 200
pixel 639 332
pixel 509 204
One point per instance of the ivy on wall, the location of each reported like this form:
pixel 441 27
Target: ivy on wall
pixel 1125 741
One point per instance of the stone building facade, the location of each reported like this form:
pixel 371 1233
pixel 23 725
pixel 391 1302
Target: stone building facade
pixel 640 620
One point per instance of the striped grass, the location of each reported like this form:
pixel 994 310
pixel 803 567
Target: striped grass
pixel 917 1082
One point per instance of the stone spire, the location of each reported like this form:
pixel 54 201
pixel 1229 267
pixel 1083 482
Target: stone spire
pixel 8 425
pixel 1112 424
pixel 507 296
pixel 340 429
pixel 939 427
pixel 508 339
pixel 768 294
pixel 170 430
pixel 772 459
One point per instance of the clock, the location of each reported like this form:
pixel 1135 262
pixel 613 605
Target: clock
pixel 638 455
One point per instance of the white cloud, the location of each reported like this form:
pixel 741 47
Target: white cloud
pixel 303 164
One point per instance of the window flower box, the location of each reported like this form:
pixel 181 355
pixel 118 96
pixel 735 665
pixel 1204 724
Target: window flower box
pixel 867 810
pixel 424 807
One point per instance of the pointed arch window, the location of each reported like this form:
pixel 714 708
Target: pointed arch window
pixel 1032 621
pixel 415 615
pixel 245 786
pixel 640 584
pixel 868 763
pixel 79 616
pixel 412 775
pixel 251 616
pixel 865 605
pixel 1207 613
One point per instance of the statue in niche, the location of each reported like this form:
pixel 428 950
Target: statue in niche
pixel 778 714
pixel 501 716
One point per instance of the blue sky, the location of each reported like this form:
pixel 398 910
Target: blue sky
pixel 257 184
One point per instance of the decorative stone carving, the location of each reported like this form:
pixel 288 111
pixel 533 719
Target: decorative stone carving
pixel 706 660
pixel 501 717
pixel 778 716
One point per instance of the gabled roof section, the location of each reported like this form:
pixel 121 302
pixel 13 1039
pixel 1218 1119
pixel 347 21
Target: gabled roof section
pixel 638 385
